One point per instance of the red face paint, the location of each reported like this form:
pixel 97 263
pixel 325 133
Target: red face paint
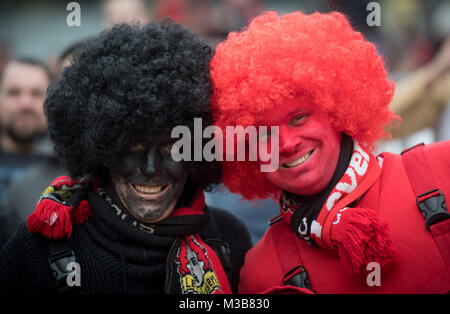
pixel 309 147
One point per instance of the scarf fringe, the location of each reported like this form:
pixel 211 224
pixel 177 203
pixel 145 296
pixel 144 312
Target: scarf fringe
pixel 81 213
pixel 361 239
pixel 51 219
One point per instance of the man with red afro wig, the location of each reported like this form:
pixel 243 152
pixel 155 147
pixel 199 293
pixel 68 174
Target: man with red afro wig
pixel 350 222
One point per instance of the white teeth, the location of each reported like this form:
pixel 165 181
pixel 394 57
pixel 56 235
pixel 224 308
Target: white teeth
pixel 298 161
pixel 148 189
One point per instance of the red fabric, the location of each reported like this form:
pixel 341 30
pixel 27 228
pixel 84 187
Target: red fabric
pixel 420 266
pixel 286 261
pixel 418 162
pixel 206 255
pixel 441 235
pixel 196 208
pixel 285 253
pixel 52 218
pixel 81 213
pixel 287 290
pixel 363 239
pixel 357 233
pixel 217 268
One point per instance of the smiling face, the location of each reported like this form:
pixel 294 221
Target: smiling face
pixel 309 147
pixel 147 180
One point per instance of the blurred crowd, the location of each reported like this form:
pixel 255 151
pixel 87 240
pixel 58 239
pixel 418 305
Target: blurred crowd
pixel 414 38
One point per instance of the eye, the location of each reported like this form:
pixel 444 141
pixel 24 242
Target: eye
pixel 299 119
pixel 13 92
pixel 37 93
pixel 137 148
pixel 166 149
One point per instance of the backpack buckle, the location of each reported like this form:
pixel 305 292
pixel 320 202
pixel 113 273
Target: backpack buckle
pixel 297 277
pixel 58 264
pixel 433 207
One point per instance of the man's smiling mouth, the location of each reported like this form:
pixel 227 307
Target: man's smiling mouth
pixel 150 190
pixel 298 161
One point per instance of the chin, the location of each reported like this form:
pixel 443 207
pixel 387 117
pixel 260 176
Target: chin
pixel 153 215
pixel 149 219
pixel 308 188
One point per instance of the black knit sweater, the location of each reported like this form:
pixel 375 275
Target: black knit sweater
pixel 115 256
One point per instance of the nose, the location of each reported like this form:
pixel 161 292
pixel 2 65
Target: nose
pixel 153 164
pixel 288 140
pixel 26 101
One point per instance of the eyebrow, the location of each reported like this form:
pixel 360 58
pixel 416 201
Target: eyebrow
pixel 298 111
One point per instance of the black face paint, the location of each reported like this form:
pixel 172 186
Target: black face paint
pixel 148 181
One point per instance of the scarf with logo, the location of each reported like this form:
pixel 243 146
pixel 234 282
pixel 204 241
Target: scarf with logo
pixel 329 220
pixel 193 266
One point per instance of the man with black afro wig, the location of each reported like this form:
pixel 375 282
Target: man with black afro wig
pixel 130 219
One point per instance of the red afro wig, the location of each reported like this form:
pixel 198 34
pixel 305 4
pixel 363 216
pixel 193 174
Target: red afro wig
pixel 318 56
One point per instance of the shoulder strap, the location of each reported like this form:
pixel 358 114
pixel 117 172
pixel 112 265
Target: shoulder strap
pixel 429 198
pixel 61 254
pixel 288 254
pixel 212 236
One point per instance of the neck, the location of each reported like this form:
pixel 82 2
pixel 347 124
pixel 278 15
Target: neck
pixel 9 145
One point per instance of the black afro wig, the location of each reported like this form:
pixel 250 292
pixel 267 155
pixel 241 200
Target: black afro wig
pixel 125 84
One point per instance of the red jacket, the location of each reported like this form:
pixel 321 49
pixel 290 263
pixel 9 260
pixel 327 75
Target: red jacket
pixel 421 267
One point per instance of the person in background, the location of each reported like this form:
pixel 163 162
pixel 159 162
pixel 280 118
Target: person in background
pixel 35 178
pixel 125 11
pixel 66 57
pixel 5 51
pixel 422 96
pixel 23 88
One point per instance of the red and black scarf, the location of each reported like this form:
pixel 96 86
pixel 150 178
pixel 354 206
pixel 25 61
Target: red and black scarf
pixel 330 220
pixel 194 266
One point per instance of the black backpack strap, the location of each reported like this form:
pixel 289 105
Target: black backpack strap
pixel 61 254
pixel 212 236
